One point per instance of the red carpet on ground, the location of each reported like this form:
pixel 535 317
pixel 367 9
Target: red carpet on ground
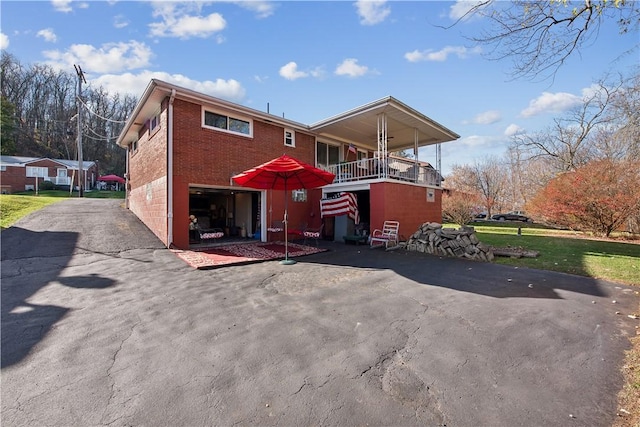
pixel 242 253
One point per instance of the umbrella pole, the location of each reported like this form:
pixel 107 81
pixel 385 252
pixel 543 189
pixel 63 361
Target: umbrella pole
pixel 286 260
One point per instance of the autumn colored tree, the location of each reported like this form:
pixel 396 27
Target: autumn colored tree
pixel 599 197
pixel 459 207
pixel 486 179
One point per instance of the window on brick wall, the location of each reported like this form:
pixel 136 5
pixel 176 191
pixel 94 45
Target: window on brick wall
pixel 220 121
pixel 154 123
pixel 299 195
pixel 289 138
pixel 431 195
pixel 37 171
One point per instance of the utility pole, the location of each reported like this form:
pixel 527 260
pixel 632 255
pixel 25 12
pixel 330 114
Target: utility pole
pixel 79 101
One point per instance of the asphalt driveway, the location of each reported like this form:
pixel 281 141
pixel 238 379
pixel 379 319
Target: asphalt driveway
pixel 101 325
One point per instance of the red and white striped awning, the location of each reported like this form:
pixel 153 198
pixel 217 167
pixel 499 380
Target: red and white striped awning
pixel 344 204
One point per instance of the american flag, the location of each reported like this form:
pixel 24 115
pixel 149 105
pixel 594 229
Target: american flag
pixel 352 148
pixel 344 204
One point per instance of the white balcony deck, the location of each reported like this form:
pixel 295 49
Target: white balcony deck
pixel 406 170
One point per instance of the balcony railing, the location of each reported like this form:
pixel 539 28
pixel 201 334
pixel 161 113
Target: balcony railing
pixel 393 168
pixel 60 180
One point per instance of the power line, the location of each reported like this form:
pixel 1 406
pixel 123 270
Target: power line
pixel 99 116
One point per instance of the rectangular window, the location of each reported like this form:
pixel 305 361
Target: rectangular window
pixel 299 195
pixel 3 168
pixel 215 120
pixel 154 123
pixel 239 126
pixel 289 138
pixel 431 195
pixel 227 123
pixel 41 172
pixel 327 154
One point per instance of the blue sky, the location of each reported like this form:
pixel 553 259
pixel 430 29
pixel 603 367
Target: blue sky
pixel 312 60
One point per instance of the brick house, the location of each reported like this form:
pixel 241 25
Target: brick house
pixel 20 173
pixel 183 147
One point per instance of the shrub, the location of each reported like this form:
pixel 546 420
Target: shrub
pixel 46 185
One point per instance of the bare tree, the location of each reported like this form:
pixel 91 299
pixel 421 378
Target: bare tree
pixel 539 36
pixel 621 138
pixel 38 104
pixel 568 143
pixel 486 179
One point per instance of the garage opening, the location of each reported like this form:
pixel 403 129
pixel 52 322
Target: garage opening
pixel 223 215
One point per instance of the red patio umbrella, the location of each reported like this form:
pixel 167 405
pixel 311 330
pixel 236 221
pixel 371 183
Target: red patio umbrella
pixel 111 178
pixel 284 173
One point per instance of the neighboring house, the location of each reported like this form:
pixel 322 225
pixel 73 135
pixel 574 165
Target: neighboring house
pixel 183 147
pixel 20 173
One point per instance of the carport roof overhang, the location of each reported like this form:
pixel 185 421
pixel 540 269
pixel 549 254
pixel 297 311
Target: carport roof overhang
pixel 360 125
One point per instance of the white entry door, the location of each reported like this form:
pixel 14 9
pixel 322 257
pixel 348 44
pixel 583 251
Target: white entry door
pixel 62 178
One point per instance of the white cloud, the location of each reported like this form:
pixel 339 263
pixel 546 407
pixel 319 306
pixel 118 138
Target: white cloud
pixel 474 141
pixel 183 21
pixel 513 129
pixel 442 54
pixel 551 103
pixel 593 91
pixel 109 58
pixel 317 72
pixel 488 117
pixel 4 41
pixel 120 21
pixel 62 5
pixel 372 12
pixel 460 9
pixel 469 149
pixel 185 27
pixel 262 9
pixel 135 84
pixel 349 67
pixel 290 71
pixel 48 35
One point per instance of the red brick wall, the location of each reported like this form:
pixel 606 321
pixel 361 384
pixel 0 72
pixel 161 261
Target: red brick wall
pixel 204 157
pixel 14 179
pixel 405 203
pixel 208 157
pixel 147 192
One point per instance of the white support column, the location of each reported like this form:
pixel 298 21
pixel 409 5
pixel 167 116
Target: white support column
pixel 438 165
pixel 383 148
pixel 416 169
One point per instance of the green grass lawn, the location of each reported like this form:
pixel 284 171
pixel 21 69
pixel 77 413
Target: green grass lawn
pixel 566 251
pixel 15 206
